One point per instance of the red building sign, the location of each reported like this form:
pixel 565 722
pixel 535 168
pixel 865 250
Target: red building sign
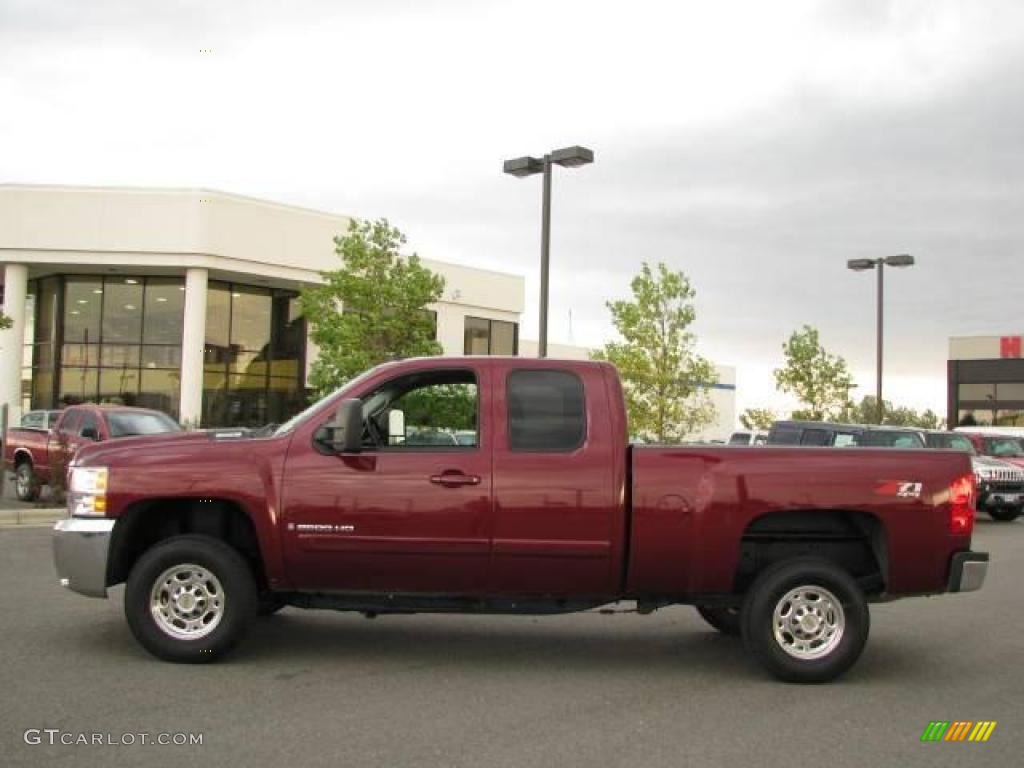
pixel 1009 346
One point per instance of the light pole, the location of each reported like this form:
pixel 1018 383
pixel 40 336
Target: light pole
pixel 520 167
pixel 861 265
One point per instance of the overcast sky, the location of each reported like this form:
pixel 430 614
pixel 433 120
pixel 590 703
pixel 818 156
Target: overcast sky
pixel 756 146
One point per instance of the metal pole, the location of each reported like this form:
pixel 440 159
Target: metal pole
pixel 545 248
pixel 878 364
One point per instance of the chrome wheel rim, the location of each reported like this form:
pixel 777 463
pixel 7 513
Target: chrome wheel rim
pixel 808 622
pixel 22 482
pixel 187 601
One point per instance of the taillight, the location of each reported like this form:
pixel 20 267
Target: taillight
pixel 961 505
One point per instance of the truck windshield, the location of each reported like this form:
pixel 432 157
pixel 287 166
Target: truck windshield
pixel 129 423
pixel 1003 446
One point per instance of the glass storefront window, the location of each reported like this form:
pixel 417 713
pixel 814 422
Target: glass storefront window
pixel 78 385
pixel 122 310
pixel 477 336
pixel 490 337
pixel 1010 391
pixel 253 356
pixel 250 318
pixel 83 300
pixel 102 322
pixel 164 308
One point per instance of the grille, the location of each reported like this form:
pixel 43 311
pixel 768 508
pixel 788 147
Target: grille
pixel 1003 475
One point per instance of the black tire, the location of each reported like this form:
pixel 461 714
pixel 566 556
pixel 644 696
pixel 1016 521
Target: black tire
pixel 26 484
pixel 726 620
pixel 268 604
pixel 1004 514
pixel 221 572
pixel 798 665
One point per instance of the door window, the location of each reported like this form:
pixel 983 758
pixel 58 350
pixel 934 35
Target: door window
pixel 430 410
pixel 546 411
pixel 815 437
pixel 89 423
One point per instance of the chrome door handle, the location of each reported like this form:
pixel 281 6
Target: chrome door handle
pixel 454 479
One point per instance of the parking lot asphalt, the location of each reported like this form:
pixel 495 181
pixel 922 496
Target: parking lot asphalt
pixel 331 689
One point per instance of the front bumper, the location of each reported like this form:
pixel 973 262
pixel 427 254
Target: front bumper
pixel 80 548
pixel 967 571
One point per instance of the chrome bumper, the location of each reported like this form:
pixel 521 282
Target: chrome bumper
pixel 80 553
pixel 967 571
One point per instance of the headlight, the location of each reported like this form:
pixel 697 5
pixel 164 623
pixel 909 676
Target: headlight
pixel 87 491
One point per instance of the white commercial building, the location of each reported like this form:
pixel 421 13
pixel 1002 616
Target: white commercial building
pixel 185 300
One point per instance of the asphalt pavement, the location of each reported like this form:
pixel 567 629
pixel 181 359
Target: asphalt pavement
pixel 331 689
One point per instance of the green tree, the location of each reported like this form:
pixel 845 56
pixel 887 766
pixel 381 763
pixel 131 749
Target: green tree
pixel 866 412
pixel 5 322
pixel 820 380
pixel 383 297
pixel 666 383
pixel 758 418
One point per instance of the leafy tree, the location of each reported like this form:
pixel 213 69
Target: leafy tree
pixel 819 379
pixel 665 381
pixel 383 297
pixel 758 418
pixel 866 412
pixel 5 322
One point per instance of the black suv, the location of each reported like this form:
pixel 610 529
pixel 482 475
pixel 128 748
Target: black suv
pixel 822 433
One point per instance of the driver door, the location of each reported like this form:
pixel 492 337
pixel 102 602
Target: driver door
pixel 410 512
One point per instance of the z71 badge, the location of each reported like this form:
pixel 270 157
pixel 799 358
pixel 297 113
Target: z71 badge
pixel 900 488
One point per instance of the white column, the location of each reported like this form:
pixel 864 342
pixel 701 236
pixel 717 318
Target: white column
pixel 12 340
pixel 193 337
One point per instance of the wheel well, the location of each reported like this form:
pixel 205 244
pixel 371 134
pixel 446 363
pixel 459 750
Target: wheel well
pixel 150 522
pixel 22 457
pixel 855 541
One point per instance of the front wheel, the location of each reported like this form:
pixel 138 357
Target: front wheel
pixel 190 599
pixel 1004 514
pixel 805 620
pixel 26 484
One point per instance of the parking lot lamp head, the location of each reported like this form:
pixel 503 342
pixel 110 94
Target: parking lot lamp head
pixel 900 260
pixel 521 167
pixel 860 265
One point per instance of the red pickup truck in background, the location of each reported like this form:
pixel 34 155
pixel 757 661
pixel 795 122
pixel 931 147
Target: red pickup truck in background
pixel 540 507
pixel 34 453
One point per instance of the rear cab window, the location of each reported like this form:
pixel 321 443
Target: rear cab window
pixel 546 411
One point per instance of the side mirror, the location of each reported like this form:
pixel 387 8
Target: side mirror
pixel 396 427
pixel 90 433
pixel 345 431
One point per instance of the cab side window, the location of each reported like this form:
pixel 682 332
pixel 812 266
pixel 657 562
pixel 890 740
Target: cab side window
pixel 89 427
pixel 434 409
pixel 546 411
pixel 815 437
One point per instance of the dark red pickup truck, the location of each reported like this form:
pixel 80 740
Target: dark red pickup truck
pixel 366 502
pixel 35 453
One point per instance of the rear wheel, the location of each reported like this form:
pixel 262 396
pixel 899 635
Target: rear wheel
pixel 1004 514
pixel 26 484
pixel 805 620
pixel 725 619
pixel 190 599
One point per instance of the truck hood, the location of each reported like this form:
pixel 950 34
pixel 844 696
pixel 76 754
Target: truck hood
pixel 172 442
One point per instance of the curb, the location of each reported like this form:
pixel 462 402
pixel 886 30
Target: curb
pixel 35 518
